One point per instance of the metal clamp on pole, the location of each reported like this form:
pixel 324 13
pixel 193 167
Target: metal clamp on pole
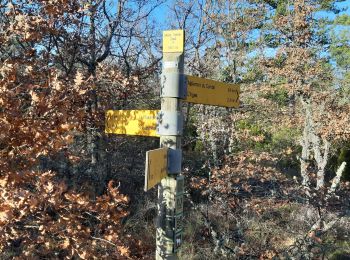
pixel 173 85
pixel 170 123
pixel 174 161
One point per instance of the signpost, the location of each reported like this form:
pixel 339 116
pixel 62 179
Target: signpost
pixel 156 167
pixel 173 41
pixel 132 122
pixel 163 165
pixel 171 188
pixel 210 92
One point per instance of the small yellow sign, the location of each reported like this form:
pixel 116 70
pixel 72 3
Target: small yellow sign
pixel 173 41
pixel 210 92
pixel 132 122
pixel 156 167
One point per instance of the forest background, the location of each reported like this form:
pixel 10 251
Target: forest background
pixel 269 179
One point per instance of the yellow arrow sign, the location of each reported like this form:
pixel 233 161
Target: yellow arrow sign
pixel 132 122
pixel 173 41
pixel 156 167
pixel 210 92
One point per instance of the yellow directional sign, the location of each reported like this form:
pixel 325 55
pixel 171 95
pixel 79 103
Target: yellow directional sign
pixel 156 167
pixel 210 92
pixel 173 41
pixel 132 122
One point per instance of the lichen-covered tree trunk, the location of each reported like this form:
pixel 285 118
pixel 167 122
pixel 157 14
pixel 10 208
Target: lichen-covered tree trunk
pixel 314 147
pixel 321 158
pixel 92 136
pixel 306 145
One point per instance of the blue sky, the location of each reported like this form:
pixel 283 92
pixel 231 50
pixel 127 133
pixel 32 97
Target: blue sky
pixel 344 5
pixel 162 12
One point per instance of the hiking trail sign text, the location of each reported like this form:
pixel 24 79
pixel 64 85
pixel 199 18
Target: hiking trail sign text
pixel 173 41
pixel 210 92
pixel 132 122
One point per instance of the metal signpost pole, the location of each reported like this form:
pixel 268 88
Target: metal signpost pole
pixel 171 188
pixel 163 165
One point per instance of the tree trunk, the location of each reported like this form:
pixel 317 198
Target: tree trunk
pixel 321 159
pixel 336 179
pixel 306 145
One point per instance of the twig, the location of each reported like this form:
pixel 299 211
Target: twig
pixel 88 213
pixel 103 240
pixel 29 226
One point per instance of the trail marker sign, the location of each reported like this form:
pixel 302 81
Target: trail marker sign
pixel 211 92
pixel 163 165
pixel 156 167
pixel 132 122
pixel 173 41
